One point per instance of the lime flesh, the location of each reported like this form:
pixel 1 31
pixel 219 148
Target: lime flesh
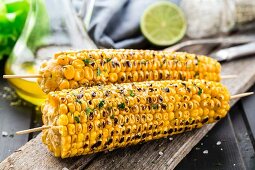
pixel 163 23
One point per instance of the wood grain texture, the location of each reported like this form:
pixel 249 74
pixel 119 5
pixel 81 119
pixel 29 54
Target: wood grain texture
pixel 146 156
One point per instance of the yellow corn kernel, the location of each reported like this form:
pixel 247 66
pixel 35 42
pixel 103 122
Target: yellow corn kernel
pixel 64 84
pixel 69 72
pixel 63 130
pixel 62 60
pixel 78 63
pixel 71 107
pixel 71 129
pixel 63 109
pixel 63 120
pixel 66 140
pixel 79 74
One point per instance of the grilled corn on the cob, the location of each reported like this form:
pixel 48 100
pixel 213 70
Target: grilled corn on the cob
pixel 88 120
pixel 93 67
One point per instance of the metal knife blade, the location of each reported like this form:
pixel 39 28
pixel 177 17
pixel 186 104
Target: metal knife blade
pixel 234 52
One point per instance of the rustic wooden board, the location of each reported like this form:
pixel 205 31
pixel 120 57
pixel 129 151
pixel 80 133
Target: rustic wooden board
pixel 34 155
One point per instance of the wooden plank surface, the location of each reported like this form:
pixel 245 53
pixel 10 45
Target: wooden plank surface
pixel 12 118
pixel 225 155
pixel 248 106
pixel 35 155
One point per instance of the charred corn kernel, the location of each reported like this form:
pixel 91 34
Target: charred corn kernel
pixel 124 114
pixel 91 67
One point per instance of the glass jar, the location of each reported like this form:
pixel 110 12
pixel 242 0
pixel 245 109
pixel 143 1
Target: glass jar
pixel 51 26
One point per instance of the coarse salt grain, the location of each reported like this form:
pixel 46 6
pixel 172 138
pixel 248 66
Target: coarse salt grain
pixel 218 143
pixel 4 133
pixel 205 152
pixel 160 153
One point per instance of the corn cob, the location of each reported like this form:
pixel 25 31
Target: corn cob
pixel 89 120
pixel 93 67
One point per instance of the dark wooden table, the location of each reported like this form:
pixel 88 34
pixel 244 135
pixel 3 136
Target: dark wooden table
pixel 229 145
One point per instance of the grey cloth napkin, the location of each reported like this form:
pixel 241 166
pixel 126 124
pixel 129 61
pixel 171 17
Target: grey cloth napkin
pixel 116 23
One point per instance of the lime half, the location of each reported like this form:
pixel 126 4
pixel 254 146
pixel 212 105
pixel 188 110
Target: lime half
pixel 163 23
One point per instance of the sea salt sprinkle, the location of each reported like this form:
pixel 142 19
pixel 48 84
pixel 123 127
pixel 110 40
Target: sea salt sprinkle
pixel 160 153
pixel 205 152
pixel 218 143
pixel 4 133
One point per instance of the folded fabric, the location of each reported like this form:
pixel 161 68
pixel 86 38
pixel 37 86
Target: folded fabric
pixel 116 23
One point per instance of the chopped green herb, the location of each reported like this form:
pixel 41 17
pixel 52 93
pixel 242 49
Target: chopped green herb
pixel 200 91
pixel 121 106
pixel 78 101
pixel 108 60
pixel 109 108
pixel 77 119
pixel 154 106
pixel 112 116
pixel 87 61
pixel 132 94
pixel 101 104
pixel 143 62
pixel 88 110
pixel 98 71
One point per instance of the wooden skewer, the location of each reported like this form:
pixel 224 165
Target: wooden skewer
pixel 231 76
pixel 38 76
pixel 22 76
pixel 22 132
pixel 49 126
pixel 241 95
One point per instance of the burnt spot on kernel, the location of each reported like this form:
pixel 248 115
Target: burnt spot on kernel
pixel 167 90
pixel 217 118
pixel 115 121
pixel 205 120
pixel 121 139
pixel 93 94
pixel 108 142
pixel 97 144
pixel 160 99
pixel 128 63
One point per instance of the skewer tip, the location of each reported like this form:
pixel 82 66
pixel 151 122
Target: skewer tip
pixel 231 76
pixel 241 95
pixel 22 76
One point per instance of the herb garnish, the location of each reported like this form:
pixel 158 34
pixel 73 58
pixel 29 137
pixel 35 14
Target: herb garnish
pixel 200 91
pixel 87 61
pixel 121 106
pixel 108 60
pixel 77 119
pixel 132 94
pixel 154 106
pixel 101 104
pixel 98 71
pixel 78 101
pixel 112 116
pixel 88 110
